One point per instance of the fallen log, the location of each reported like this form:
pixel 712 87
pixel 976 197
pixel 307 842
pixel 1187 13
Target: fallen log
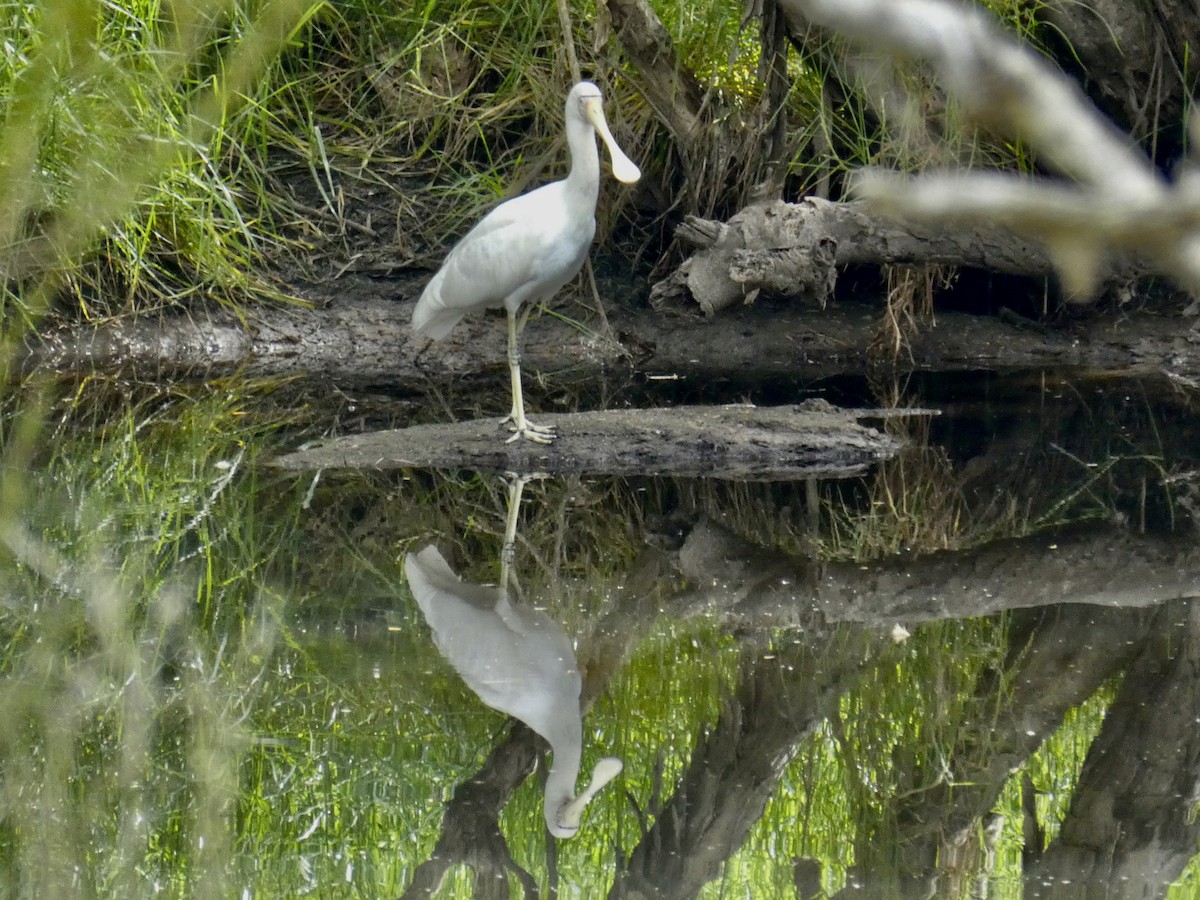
pixel 366 339
pixel 744 442
pixel 793 250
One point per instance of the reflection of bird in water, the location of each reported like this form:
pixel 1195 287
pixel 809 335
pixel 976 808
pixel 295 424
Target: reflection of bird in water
pixel 519 661
pixel 524 250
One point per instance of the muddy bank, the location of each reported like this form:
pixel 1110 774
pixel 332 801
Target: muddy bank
pixel 363 336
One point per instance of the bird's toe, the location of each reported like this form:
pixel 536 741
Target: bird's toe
pixel 539 434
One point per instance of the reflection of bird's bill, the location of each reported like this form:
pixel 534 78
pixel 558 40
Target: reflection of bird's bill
pixel 624 168
pixel 607 768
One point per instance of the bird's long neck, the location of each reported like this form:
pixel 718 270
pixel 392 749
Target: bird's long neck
pixel 584 179
pixel 567 743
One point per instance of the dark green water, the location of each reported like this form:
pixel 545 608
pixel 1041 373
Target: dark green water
pixel 971 669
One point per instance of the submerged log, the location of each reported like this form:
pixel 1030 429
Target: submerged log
pixel 742 442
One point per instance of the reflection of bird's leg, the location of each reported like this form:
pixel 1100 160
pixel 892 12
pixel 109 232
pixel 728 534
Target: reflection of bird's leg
pixel 508 553
pixel 522 427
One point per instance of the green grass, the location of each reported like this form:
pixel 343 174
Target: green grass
pixel 162 154
pixel 118 121
pixel 141 605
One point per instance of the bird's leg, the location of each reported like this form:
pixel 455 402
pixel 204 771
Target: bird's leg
pixel 522 427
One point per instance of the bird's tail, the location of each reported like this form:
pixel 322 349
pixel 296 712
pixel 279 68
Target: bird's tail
pixel 431 318
pixel 432 581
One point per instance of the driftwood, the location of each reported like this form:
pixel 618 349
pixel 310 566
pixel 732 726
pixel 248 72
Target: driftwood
pixel 743 442
pixel 793 250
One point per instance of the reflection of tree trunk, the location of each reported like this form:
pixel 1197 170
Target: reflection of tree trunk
pixel 470 829
pixel 1057 658
pixel 736 768
pixel 1099 566
pixel 1131 827
pixel 1049 670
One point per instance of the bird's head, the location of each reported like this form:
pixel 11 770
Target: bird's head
pixel 591 106
pixel 564 822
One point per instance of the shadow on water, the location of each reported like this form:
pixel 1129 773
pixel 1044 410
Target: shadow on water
pixel 970 670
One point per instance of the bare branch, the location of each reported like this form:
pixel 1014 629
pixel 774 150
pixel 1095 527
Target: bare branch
pixel 1012 91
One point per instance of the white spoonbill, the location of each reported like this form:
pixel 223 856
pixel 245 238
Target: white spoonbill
pixel 518 661
pixel 527 248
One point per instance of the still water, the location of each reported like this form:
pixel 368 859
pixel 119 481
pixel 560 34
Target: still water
pixel 970 671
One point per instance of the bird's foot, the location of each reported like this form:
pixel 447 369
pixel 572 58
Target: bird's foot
pixel 539 434
pixel 523 428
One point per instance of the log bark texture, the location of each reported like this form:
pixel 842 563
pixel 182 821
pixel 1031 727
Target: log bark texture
pixel 742 442
pixel 792 250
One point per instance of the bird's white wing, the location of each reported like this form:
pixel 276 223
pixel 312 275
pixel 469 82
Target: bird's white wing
pixel 525 248
pixel 538 630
